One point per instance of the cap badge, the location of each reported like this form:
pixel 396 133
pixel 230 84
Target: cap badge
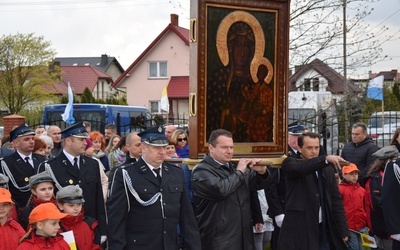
pixel 71 181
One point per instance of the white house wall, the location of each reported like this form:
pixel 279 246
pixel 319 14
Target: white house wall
pixel 323 83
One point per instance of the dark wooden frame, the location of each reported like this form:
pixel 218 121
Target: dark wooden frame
pixel 200 9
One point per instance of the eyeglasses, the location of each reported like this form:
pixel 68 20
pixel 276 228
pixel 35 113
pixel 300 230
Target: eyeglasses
pixel 182 139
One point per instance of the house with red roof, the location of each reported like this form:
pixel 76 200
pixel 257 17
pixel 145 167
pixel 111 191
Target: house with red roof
pixel 165 62
pixel 80 77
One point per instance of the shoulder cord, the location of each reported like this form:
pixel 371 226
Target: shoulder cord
pixel 396 170
pixel 7 171
pixel 48 169
pixel 128 182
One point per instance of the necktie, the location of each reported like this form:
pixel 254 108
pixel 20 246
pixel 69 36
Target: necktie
pixel 76 163
pixel 27 160
pixel 157 171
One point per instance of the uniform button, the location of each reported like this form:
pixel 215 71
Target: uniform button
pixel 176 188
pixel 164 204
pixel 134 240
pixel 161 189
pixel 165 232
pixel 145 190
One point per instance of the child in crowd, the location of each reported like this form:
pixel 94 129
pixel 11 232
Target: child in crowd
pixel 373 196
pixel 43 233
pixel 11 231
pixel 14 209
pixel 353 196
pixel 42 191
pixel 70 200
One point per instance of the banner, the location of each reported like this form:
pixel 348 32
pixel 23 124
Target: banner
pixel 68 115
pixel 375 88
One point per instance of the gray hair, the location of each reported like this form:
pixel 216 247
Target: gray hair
pixel 47 139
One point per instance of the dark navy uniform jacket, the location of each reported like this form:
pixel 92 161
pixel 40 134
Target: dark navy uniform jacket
pixel 134 226
pixel 88 179
pixel 21 172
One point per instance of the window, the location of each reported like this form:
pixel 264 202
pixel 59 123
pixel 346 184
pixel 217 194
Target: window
pixel 158 70
pixel 154 106
pixel 307 84
pixel 315 84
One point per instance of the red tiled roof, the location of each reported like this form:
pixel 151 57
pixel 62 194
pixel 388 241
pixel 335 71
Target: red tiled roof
pixel 56 88
pixel 178 87
pixel 81 77
pixel 181 32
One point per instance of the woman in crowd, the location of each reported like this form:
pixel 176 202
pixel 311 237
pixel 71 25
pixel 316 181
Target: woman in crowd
pixel 49 146
pixel 180 139
pixel 118 155
pixel 89 152
pixel 99 145
pixel 39 147
pixel 112 145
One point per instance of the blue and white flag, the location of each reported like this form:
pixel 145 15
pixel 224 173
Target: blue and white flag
pixel 375 88
pixel 68 115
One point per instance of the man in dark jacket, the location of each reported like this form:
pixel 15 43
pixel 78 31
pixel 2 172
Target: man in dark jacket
pixel 314 216
pixel 360 150
pixel 276 190
pixel 22 164
pixel 71 167
pixel 222 195
pixel 148 201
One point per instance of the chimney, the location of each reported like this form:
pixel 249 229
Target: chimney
pixel 175 19
pixel 104 59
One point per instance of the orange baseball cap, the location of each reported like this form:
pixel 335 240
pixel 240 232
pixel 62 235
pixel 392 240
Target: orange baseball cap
pixel 46 211
pixel 350 168
pixel 5 196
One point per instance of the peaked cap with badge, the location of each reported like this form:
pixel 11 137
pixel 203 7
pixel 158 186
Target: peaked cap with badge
pixel 21 130
pixel 77 130
pixel 295 128
pixel 154 136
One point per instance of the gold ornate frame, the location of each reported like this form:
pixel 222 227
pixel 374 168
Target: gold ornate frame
pixel 210 23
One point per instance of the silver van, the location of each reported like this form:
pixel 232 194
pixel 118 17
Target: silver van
pixel 382 125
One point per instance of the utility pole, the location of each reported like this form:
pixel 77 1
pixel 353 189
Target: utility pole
pixel 346 92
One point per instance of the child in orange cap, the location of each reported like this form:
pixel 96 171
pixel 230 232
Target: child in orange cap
pixel 353 196
pixel 43 234
pixel 11 231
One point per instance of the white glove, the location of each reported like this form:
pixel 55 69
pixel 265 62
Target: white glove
pixel 395 236
pixel 279 219
pixel 103 238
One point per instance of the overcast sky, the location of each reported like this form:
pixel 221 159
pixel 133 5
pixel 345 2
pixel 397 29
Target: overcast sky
pixel 124 28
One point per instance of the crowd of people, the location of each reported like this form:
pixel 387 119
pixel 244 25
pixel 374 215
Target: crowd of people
pixel 123 192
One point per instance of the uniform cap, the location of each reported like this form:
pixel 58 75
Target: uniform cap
pixel 39 178
pixel 296 129
pixel 5 196
pixel 46 211
pixel 77 130
pixel 3 179
pixel 70 194
pixel 21 130
pixel 154 136
pixel 350 168
pixel 386 153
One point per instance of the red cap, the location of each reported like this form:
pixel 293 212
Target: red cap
pixel 350 168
